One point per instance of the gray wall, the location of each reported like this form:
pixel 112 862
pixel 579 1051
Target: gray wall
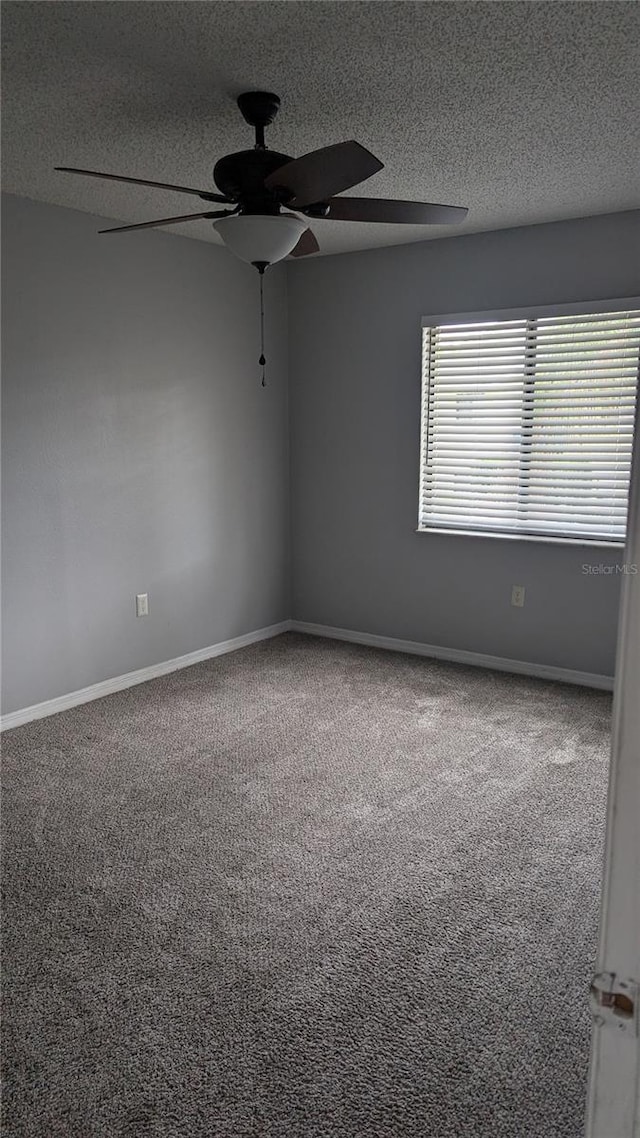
pixel 354 365
pixel 140 453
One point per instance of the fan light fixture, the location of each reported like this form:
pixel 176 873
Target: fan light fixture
pixel 260 238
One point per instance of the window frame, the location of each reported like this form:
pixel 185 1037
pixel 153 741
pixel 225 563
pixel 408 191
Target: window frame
pixel 534 312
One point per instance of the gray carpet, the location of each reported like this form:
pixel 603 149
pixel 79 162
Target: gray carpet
pixel 308 889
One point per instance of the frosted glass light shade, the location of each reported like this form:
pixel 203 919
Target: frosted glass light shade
pixel 260 237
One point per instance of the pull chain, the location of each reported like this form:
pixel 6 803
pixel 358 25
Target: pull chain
pixel 261 266
pixel 262 360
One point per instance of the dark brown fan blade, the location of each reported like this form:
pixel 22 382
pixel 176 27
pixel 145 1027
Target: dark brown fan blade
pixel 169 221
pixel 209 197
pixel 317 176
pixel 306 245
pixel 395 212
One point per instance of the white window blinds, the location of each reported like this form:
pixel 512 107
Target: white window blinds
pixel 527 425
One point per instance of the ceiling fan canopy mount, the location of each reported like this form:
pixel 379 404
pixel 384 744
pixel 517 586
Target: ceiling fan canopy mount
pixel 258 108
pixel 261 183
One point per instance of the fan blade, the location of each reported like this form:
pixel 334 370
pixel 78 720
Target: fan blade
pixel 169 221
pixel 144 182
pixel 306 245
pixel 395 212
pixel 316 176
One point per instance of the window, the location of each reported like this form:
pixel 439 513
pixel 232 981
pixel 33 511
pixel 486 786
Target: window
pixel 527 423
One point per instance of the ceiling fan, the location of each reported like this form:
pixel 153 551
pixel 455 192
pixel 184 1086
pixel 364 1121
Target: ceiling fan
pixel 263 186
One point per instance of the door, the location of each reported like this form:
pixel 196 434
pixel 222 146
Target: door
pixel 613 1109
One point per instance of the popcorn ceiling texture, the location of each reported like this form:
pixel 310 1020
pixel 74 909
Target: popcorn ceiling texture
pixel 524 112
pixel 307 890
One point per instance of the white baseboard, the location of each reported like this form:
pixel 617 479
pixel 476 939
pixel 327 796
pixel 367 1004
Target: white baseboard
pixel 130 679
pixel 457 655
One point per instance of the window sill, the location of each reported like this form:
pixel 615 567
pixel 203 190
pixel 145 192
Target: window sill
pixel 539 538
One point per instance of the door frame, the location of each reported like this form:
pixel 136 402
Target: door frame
pixel 613 1103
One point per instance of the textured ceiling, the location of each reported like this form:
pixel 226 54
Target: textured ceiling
pixel 524 112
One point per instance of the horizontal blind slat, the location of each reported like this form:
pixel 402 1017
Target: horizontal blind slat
pixel 547 508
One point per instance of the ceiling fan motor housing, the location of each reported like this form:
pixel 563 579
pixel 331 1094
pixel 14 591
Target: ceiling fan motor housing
pixel 241 177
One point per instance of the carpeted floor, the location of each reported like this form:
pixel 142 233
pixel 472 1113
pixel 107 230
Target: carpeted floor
pixel 308 889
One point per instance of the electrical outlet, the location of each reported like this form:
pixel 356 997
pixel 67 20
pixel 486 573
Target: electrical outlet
pixel 142 604
pixel 517 596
